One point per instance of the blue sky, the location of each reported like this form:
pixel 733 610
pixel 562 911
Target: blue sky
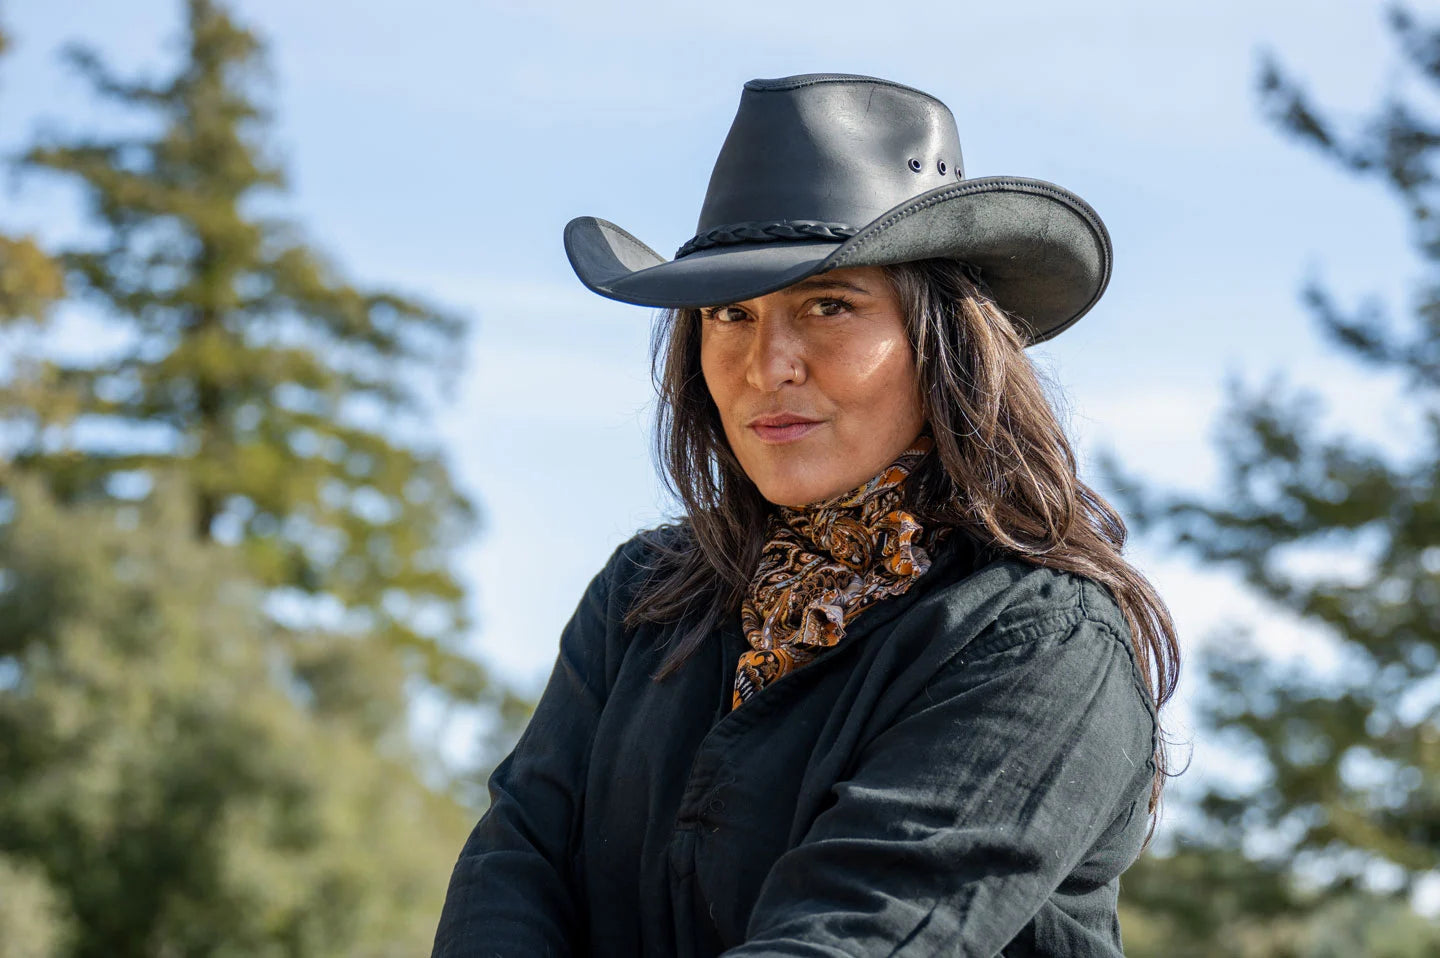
pixel 441 147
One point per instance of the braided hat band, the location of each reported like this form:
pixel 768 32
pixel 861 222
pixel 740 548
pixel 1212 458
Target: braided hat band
pixel 780 230
pixel 766 232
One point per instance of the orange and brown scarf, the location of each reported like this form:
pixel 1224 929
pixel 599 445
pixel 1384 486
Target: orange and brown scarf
pixel 825 563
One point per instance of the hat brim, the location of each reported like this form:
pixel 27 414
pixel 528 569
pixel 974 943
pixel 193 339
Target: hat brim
pixel 1044 253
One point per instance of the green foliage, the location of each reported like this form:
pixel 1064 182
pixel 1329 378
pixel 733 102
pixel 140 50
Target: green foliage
pixel 163 789
pixel 30 281
pixel 1203 900
pixel 32 915
pixel 1351 762
pixel 276 388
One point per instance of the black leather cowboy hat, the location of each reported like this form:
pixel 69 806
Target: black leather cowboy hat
pixel 825 171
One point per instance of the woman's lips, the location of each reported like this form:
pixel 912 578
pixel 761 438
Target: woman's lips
pixel 779 434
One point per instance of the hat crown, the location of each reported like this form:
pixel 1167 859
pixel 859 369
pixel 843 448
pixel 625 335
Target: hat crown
pixel 837 149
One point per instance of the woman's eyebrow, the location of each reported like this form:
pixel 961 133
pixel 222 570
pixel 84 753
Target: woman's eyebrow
pixel 810 285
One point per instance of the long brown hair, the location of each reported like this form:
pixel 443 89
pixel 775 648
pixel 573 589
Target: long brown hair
pixel 1004 474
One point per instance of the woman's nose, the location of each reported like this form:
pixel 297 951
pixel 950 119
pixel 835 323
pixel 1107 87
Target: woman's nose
pixel 777 357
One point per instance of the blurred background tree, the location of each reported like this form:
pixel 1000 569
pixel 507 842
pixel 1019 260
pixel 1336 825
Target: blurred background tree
pixel 215 623
pixel 160 792
pixel 280 390
pixel 1350 795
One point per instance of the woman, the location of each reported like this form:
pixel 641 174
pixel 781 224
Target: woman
pixel 888 687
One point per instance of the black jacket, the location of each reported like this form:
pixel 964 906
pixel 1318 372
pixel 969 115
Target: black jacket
pixel 965 773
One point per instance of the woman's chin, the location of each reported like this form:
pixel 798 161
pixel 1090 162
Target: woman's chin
pixel 795 493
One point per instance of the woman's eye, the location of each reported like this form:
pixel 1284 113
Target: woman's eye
pixel 832 307
pixel 725 314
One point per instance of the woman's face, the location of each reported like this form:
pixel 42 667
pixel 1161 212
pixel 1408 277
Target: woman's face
pixel 829 355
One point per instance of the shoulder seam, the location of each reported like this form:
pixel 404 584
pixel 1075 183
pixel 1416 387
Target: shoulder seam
pixel 1034 627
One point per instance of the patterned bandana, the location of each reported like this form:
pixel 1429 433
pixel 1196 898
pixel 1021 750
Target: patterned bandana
pixel 825 563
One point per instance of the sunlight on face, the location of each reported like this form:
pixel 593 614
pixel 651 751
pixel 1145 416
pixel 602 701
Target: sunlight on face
pixel 830 357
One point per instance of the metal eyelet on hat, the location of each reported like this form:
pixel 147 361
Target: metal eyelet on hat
pixel 915 165
pixel 941 167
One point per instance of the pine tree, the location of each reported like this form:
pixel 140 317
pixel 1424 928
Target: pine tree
pixel 276 388
pixel 1351 761
pixel 179 773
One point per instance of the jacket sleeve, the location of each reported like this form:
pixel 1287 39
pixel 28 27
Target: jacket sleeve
pixel 962 817
pixel 510 892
